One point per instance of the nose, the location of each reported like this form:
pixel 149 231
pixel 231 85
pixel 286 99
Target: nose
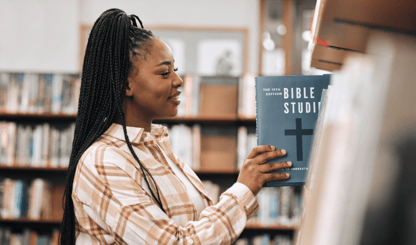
pixel 177 81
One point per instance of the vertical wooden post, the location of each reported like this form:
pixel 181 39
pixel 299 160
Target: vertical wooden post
pixel 288 14
pixel 262 27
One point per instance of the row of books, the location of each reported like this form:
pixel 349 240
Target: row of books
pixel 246 141
pixel 186 143
pixel 36 145
pixel 27 237
pixel 278 205
pixel 49 145
pixel 265 239
pixel 59 93
pixel 205 148
pixel 39 93
pixel 32 200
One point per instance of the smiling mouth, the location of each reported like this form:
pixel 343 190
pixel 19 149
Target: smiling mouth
pixel 175 96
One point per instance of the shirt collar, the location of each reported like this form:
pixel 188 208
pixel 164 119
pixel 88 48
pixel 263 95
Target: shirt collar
pixel 137 134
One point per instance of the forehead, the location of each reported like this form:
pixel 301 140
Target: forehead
pixel 160 52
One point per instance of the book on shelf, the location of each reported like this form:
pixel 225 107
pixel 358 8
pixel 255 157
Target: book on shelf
pixel 265 239
pixel 287 108
pixel 247 96
pixel 39 93
pixel 186 143
pixel 276 207
pixel 246 141
pixel 35 145
pixel 9 236
pixel 36 200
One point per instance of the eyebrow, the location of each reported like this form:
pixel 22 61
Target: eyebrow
pixel 164 63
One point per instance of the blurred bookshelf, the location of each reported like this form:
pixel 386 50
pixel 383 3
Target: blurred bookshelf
pixel 370 48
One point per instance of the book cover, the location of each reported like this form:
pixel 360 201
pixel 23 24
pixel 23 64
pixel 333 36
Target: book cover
pixel 287 108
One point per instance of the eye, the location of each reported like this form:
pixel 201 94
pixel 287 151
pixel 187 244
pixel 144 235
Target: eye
pixel 165 74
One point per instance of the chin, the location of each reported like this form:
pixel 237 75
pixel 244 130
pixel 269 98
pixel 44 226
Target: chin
pixel 170 114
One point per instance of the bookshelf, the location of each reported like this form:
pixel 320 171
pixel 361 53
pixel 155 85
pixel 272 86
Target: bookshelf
pixel 356 189
pixel 218 176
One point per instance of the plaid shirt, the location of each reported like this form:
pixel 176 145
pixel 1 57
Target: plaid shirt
pixel 113 205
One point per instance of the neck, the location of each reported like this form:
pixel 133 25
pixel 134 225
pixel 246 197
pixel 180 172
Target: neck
pixel 135 122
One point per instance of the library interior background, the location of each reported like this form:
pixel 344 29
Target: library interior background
pixel 360 186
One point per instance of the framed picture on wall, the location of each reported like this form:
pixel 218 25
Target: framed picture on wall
pixel 199 50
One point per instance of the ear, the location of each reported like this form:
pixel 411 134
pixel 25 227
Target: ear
pixel 129 91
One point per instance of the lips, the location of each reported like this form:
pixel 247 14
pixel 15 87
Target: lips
pixel 175 96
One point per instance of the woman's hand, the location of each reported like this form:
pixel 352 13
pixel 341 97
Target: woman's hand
pixel 254 173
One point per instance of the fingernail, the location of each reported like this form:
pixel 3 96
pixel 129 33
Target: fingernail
pixel 289 163
pixel 287 175
pixel 283 151
pixel 273 148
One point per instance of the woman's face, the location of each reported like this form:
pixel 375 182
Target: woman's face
pixel 153 85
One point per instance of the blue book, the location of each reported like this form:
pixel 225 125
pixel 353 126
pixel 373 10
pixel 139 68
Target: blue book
pixel 287 108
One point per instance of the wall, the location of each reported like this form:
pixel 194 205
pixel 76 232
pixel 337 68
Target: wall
pixel 43 35
pixel 39 35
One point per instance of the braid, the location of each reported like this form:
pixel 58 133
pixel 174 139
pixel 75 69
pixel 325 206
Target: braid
pixel 114 42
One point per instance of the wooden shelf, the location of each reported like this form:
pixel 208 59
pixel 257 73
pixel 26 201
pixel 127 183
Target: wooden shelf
pixel 64 170
pixel 249 226
pixel 27 221
pixel 341 27
pixel 216 172
pixel 255 226
pixel 4 169
pixel 202 119
pixel 37 117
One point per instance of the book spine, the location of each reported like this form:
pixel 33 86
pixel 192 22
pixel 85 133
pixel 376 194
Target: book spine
pixel 57 85
pixel 258 129
pixel 196 147
pixel 13 94
pixel 37 146
pixel 4 87
pixel 19 196
pixel 41 99
pixel 11 143
pixel 48 92
pixel 196 80
pixel 33 93
pixel 241 146
pixel 25 90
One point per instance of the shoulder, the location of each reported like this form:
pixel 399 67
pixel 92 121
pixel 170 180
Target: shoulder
pixel 103 156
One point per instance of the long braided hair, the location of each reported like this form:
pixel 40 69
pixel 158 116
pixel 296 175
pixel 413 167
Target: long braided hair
pixel 115 40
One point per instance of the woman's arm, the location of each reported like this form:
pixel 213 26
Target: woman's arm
pixel 106 196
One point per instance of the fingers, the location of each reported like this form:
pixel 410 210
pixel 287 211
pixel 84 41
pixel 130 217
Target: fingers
pixel 275 177
pixel 268 167
pixel 263 150
pixel 259 150
pixel 265 156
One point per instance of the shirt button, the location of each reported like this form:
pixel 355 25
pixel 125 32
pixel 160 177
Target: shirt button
pixel 190 241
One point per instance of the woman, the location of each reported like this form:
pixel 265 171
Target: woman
pixel 124 184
